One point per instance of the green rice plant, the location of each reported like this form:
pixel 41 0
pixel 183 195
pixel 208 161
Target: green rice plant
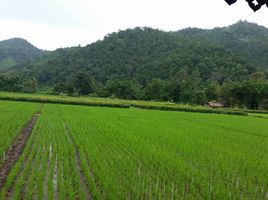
pixel 142 154
pixel 170 154
pixel 13 117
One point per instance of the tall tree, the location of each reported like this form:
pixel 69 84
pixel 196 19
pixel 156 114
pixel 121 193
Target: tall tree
pixel 84 83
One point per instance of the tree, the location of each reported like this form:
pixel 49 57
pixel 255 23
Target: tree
pixel 124 89
pixel 59 88
pixel 10 82
pixel 69 89
pixel 84 83
pixel 257 76
pixel 154 90
pixel 227 93
pixel 34 85
pixel 249 93
pixel 212 91
pixel 30 85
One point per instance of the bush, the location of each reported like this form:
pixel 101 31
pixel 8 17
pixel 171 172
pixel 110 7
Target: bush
pixel 198 110
pixel 61 101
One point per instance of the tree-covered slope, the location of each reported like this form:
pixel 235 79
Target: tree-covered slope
pixel 140 54
pixel 15 52
pixel 191 66
pixel 248 40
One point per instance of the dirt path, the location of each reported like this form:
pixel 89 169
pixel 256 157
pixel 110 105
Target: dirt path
pixel 13 153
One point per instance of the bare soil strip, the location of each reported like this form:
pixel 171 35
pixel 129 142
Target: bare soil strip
pixel 47 172
pixel 97 184
pixel 78 163
pixel 55 180
pixel 12 155
pixel 10 192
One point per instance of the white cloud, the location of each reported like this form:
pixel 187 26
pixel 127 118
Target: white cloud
pixel 48 36
pixel 50 24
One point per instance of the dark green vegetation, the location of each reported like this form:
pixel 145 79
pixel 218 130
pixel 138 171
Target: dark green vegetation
pixel 248 40
pixel 16 51
pixel 79 152
pixel 188 66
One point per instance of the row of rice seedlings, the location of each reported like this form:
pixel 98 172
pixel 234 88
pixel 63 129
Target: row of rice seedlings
pixel 95 188
pixel 23 166
pixel 116 147
pixel 68 177
pixel 64 178
pixel 142 155
pixel 25 178
pixel 12 122
pixel 51 151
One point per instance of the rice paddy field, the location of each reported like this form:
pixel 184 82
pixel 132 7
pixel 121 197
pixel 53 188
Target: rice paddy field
pixel 13 116
pixel 80 152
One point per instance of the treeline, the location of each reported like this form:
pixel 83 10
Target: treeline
pixel 13 82
pixel 182 88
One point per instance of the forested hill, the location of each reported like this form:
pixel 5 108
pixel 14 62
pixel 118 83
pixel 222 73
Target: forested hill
pixel 15 52
pixel 248 40
pixel 190 66
pixel 140 54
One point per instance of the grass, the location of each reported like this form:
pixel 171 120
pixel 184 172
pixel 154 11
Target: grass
pixel 119 103
pixel 259 115
pixel 142 154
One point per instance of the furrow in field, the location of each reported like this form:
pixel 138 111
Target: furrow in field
pixel 47 173
pixel 78 163
pixel 55 181
pixel 91 178
pixel 30 157
pixel 12 122
pixel 13 154
pixel 225 126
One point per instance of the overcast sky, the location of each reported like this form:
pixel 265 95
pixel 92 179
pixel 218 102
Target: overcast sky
pixel 50 24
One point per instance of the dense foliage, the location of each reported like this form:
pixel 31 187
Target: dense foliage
pixel 190 66
pixel 16 83
pixel 248 40
pixel 16 51
pixel 139 54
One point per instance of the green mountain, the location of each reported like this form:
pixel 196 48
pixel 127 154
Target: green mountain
pixel 140 54
pixel 248 40
pixel 191 66
pixel 16 51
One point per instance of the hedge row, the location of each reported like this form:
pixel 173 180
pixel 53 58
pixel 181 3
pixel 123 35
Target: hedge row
pixel 60 101
pixel 257 111
pixel 197 110
pixel 117 105
pixel 249 111
pixel 263 117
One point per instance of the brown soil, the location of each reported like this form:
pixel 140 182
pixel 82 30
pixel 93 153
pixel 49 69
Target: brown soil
pixel 12 155
pixel 55 181
pixel 10 191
